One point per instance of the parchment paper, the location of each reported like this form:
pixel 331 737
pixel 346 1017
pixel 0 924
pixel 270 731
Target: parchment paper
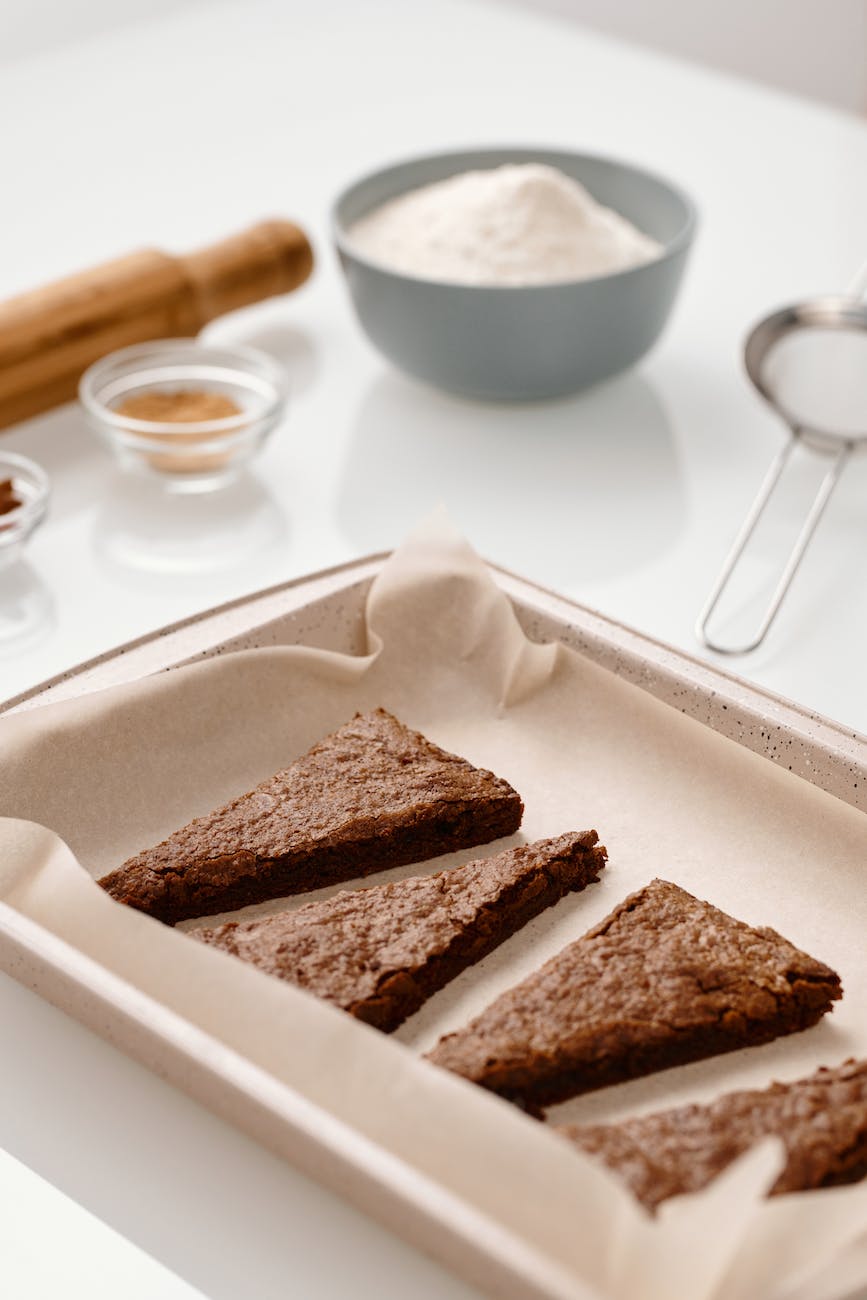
pixel 114 772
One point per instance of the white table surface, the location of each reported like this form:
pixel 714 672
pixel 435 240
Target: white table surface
pixel 178 130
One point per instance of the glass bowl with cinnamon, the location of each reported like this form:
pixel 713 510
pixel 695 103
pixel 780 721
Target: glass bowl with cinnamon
pixel 189 412
pixel 24 491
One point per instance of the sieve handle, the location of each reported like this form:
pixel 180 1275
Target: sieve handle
pixel 817 509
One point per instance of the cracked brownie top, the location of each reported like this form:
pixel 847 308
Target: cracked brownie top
pixel 665 978
pixel 373 794
pixel 380 952
pixel 822 1121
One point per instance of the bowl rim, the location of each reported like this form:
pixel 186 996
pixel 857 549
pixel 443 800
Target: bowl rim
pixel 679 243
pixel 248 360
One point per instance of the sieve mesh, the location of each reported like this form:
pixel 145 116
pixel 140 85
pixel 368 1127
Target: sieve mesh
pixel 817 377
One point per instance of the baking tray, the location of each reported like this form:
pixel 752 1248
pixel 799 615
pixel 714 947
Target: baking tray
pixel 326 610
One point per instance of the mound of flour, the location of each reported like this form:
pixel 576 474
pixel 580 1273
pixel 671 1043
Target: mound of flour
pixel 518 224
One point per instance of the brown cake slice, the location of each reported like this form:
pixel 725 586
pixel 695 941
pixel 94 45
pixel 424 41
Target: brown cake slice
pixel 822 1121
pixel 664 979
pixel 380 953
pixel 372 795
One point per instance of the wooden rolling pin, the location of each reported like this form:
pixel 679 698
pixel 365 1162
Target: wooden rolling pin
pixel 49 337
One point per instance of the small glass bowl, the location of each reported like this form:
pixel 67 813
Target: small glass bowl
pixel 192 456
pixel 30 484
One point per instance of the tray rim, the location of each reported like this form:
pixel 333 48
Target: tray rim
pixel 433 1218
pixel 829 754
pixel 190 620
pixel 440 1224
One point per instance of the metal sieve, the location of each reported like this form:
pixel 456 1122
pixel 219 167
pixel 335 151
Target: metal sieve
pixel 809 362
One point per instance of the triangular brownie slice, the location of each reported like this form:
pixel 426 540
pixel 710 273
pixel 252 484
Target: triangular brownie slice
pixel 379 953
pixel 372 795
pixel 822 1121
pixel 664 979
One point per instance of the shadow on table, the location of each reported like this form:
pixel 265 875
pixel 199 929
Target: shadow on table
pixel 77 463
pixel 27 609
pixel 144 528
pixel 584 488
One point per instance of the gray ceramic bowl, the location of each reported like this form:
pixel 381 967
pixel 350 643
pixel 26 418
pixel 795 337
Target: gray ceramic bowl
pixel 519 343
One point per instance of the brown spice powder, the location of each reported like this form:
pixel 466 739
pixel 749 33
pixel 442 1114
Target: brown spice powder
pixel 9 498
pixel 185 406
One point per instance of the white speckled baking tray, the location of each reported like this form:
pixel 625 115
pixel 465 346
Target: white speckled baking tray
pixel 326 610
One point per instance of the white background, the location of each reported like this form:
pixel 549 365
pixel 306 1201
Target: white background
pixel 805 46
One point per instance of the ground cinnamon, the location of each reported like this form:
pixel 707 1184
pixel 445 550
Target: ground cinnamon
pixel 184 406
pixel 9 499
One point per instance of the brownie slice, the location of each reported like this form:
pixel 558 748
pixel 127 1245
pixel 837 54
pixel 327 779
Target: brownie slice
pixel 380 953
pixel 822 1121
pixel 664 979
pixel 372 795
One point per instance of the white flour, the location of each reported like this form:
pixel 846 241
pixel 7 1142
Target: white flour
pixel 518 224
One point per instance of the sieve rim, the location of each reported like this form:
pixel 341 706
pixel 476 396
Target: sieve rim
pixel 831 312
